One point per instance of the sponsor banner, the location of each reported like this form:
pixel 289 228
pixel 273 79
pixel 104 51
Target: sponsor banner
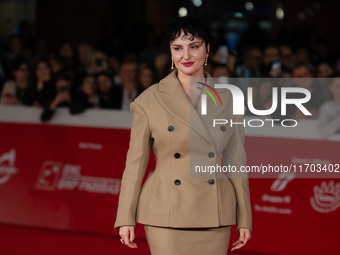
pixel 62 177
pixel 7 168
pixel 300 216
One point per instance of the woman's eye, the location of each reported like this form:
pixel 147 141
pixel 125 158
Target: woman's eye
pixel 194 47
pixel 177 48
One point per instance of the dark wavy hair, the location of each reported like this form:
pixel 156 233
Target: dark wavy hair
pixel 189 25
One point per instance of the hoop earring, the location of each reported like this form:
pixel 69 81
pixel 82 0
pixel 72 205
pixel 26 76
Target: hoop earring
pixel 206 61
pixel 172 65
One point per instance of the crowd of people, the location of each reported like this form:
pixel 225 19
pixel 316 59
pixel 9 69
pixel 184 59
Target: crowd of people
pixel 78 78
pixel 82 77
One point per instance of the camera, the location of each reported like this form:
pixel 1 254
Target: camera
pixel 276 65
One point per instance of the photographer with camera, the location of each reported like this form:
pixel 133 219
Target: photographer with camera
pixel 86 95
pixel 61 98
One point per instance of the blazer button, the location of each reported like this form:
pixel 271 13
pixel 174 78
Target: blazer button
pixel 211 181
pixel 171 128
pixel 223 128
pixel 211 154
pixel 177 182
pixel 177 155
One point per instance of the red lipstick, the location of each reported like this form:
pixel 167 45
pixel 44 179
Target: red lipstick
pixel 187 64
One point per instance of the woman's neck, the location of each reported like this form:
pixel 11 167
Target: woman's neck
pixel 193 95
pixel 185 79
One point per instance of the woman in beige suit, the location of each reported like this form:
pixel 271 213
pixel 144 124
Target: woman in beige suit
pixel 184 213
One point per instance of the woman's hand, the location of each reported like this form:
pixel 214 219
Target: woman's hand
pixel 127 233
pixel 244 237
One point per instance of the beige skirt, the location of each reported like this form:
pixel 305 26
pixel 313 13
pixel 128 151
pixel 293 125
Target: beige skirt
pixel 186 241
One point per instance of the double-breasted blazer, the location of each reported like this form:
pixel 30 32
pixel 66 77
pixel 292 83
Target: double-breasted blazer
pixel 181 138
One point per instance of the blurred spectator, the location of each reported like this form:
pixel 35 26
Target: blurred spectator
pixel 251 66
pixel 66 55
pixel 329 117
pixel 98 63
pixel 14 50
pixel 60 98
pixel 147 76
pixel 55 64
pixel 163 64
pixel 302 57
pixel 302 78
pixel 86 96
pixel 302 71
pixel 85 57
pixel 219 58
pixel 231 62
pixel 221 55
pixel 324 69
pixel 42 83
pixel 127 91
pixel 15 46
pixel 287 57
pixel 18 90
pixel 270 55
pixel 114 66
pixel 107 91
pixel 70 74
pixel 221 73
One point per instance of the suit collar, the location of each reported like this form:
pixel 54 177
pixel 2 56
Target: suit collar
pixel 170 83
pixel 174 99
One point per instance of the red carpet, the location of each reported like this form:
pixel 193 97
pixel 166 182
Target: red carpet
pixel 17 240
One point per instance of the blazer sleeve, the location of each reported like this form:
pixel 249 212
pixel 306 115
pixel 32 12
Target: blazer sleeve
pixel 235 155
pixel 136 163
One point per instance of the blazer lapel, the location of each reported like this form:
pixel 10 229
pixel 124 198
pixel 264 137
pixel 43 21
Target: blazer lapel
pixel 173 98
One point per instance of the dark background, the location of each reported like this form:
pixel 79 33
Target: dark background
pixel 142 22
